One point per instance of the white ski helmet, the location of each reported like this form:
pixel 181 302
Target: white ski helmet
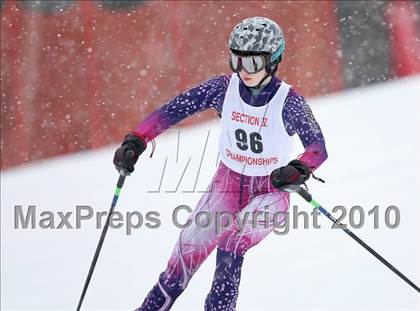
pixel 259 35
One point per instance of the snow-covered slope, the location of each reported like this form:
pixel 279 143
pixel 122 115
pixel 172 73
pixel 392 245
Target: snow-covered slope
pixel 372 139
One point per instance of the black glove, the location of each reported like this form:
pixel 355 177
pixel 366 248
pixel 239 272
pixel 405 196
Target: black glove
pixel 294 173
pixel 127 154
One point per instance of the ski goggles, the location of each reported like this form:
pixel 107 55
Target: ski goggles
pixel 250 63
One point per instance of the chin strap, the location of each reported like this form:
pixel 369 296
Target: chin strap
pixel 260 83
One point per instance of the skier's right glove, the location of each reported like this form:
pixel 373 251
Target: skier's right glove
pixel 127 154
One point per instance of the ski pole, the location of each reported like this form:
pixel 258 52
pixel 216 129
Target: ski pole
pixel 120 183
pixel 308 197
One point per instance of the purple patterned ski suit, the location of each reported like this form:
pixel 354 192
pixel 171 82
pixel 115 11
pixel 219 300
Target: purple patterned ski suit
pixel 228 191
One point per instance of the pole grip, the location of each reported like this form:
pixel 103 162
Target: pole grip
pixel 120 182
pixel 304 194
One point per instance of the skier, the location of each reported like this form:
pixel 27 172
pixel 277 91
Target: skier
pixel 259 115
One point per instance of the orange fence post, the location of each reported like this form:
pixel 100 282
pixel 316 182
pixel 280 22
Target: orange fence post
pixel 88 10
pixel 405 47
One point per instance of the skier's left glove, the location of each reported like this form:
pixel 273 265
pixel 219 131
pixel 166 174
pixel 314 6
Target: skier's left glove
pixel 294 173
pixel 127 154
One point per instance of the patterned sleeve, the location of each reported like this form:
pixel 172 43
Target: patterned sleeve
pixel 298 119
pixel 209 94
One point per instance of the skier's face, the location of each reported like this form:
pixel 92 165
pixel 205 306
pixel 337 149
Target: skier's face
pixel 252 79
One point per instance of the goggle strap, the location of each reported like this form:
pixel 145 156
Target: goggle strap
pixel 276 54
